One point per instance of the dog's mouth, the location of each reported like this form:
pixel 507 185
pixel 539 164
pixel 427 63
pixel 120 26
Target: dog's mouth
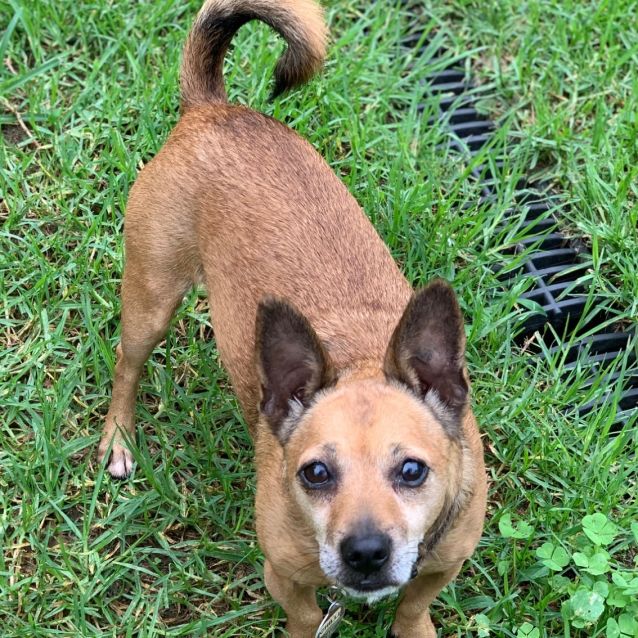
pixel 369 585
pixel 385 580
pixel 372 592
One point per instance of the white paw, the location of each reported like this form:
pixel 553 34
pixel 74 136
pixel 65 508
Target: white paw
pixel 121 462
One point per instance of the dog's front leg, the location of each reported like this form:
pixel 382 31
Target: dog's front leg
pixel 148 305
pixel 412 619
pixel 299 603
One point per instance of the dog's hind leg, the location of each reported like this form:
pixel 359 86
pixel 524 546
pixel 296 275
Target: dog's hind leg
pixel 157 274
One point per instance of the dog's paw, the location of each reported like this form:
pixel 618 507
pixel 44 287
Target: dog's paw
pixel 120 463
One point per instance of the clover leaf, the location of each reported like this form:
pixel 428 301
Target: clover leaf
pixel 625 627
pixel 599 529
pixel 586 607
pixel 527 630
pixel 509 530
pixel 482 625
pixel 552 556
pixel 598 563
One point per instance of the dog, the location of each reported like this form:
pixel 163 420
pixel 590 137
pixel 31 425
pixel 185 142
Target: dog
pixel 370 472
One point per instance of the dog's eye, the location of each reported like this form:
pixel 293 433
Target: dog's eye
pixel 413 473
pixel 315 474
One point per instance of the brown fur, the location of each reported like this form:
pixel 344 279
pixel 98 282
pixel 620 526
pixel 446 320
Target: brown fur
pixel 239 202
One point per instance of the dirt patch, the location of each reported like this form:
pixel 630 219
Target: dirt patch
pixel 13 134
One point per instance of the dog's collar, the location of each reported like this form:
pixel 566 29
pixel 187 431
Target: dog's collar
pixel 333 617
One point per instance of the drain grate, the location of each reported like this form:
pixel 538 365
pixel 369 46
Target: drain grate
pixel 554 263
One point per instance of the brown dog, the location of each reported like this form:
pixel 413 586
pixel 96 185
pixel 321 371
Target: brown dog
pixel 369 464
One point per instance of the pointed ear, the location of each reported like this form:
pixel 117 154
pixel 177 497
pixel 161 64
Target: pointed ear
pixel 291 362
pixel 427 350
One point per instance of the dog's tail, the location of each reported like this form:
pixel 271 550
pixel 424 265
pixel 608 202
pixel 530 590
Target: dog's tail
pixel 299 22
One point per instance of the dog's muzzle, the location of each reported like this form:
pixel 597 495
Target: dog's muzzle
pixel 365 556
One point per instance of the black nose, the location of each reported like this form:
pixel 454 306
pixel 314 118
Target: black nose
pixel 367 553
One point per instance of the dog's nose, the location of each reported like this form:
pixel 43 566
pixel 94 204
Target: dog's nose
pixel 366 554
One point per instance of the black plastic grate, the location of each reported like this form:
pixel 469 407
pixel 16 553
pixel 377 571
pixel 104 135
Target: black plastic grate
pixel 554 263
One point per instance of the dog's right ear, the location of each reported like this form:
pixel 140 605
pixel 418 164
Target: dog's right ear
pixel 291 362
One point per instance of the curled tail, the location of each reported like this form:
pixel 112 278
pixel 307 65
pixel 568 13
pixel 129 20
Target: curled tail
pixel 299 22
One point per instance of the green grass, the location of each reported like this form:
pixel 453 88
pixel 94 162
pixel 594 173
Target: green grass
pixel 88 92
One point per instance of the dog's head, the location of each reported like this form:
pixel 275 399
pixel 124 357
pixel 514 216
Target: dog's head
pixel 373 463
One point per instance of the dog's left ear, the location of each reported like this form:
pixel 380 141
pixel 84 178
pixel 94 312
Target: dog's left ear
pixel 291 362
pixel 426 352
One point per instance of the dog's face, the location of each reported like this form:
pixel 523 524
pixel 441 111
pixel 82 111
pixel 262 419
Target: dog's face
pixel 371 468
pixel 372 463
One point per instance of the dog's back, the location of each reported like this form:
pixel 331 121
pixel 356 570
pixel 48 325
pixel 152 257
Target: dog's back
pixel 251 206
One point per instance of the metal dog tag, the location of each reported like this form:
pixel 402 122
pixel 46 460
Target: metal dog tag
pixel 331 620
